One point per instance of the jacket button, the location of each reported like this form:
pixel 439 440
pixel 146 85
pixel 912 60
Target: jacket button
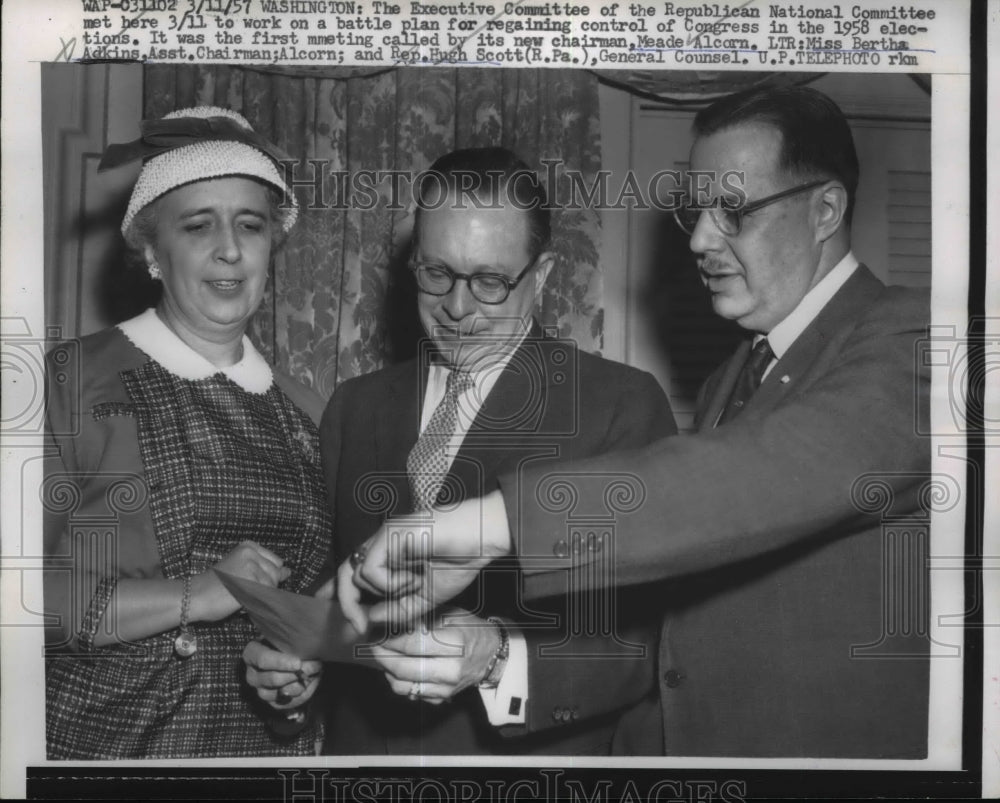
pixel 561 549
pixel 557 713
pixel 672 678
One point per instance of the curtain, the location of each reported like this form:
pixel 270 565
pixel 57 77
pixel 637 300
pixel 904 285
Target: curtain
pixel 339 303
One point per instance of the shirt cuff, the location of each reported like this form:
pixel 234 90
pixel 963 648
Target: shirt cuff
pixel 506 704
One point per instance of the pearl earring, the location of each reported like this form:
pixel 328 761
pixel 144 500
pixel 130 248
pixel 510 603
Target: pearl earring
pixel 154 270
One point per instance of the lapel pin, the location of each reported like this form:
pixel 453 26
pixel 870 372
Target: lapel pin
pixel 785 379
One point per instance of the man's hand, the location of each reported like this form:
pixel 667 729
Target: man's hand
pixel 281 680
pixel 435 663
pixel 418 565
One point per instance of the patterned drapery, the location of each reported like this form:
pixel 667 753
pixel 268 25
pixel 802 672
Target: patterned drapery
pixel 339 305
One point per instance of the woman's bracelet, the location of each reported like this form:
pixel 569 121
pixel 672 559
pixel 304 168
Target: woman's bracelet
pixel 186 645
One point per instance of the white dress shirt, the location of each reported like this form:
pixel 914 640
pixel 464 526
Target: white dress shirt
pixel 795 323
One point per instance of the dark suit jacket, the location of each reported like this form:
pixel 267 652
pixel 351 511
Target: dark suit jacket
pixel 795 618
pixel 551 403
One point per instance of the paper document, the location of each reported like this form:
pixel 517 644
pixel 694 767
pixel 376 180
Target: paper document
pixel 310 628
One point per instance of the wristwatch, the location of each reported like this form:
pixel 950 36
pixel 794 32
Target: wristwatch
pixel 498 661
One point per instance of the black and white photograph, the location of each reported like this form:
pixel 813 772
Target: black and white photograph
pixel 485 430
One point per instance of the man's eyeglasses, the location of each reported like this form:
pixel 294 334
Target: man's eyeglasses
pixel 730 221
pixel 487 288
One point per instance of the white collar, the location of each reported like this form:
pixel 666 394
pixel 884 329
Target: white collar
pixel 152 336
pixel 795 323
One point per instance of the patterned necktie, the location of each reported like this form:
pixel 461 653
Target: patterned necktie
pixel 427 464
pixel 749 379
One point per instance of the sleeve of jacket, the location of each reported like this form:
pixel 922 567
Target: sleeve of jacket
pixel 331 450
pixel 757 484
pixel 81 468
pixel 575 676
pixel 62 418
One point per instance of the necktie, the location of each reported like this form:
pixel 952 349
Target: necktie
pixel 749 379
pixel 427 463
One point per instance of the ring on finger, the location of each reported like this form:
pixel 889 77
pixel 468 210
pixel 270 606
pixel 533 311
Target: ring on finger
pixel 358 557
pixel 283 697
pixel 414 690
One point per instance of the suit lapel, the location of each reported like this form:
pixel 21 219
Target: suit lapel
pixel 511 408
pixel 484 447
pixel 845 306
pixel 852 298
pixel 398 422
pixel 723 383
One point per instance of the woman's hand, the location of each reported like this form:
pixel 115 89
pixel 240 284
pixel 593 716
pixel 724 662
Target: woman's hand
pixel 210 601
pixel 281 680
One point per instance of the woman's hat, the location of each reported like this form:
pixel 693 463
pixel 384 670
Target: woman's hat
pixel 194 144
